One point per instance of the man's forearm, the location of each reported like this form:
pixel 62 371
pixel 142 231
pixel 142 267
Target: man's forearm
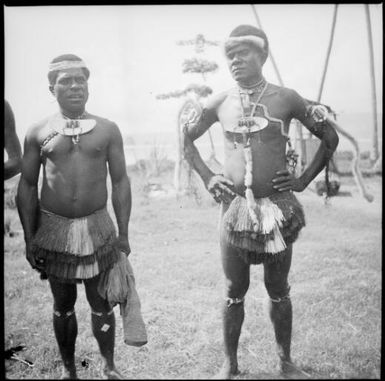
pixel 193 157
pixel 121 202
pixel 12 167
pixel 27 206
pixel 329 142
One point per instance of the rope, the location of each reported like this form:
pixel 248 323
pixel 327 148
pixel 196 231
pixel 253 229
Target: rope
pixel 373 83
pixel 331 39
pixel 270 53
pixel 328 52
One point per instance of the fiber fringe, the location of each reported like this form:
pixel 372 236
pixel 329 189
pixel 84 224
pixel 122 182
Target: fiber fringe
pixel 75 248
pixel 67 266
pixel 281 217
pixel 78 236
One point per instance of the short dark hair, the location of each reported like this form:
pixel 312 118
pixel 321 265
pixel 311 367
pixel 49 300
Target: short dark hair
pixel 52 75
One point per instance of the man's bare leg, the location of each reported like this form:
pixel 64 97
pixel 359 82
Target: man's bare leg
pixel 281 312
pixel 65 325
pixel 237 274
pixel 103 327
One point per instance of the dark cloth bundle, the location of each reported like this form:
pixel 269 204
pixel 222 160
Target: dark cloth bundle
pixel 117 285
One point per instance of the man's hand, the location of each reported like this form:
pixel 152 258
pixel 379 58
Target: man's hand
pixel 29 255
pixel 286 181
pixel 221 189
pixel 122 244
pixel 36 263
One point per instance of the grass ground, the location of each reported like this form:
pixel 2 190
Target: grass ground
pixel 336 294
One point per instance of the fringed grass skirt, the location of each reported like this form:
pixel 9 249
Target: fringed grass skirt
pixel 280 218
pixel 75 249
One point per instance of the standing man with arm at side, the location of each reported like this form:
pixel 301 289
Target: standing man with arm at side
pixel 70 237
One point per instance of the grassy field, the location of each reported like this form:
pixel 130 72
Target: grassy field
pixel 336 294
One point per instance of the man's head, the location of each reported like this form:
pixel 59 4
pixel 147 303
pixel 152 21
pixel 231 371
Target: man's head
pixel 68 77
pixel 246 50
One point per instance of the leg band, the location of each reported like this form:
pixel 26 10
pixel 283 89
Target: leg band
pixel 231 301
pixel 283 299
pixel 67 314
pixel 101 313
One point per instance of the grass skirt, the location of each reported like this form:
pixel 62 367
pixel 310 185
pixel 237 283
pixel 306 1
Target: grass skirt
pixel 280 218
pixel 75 249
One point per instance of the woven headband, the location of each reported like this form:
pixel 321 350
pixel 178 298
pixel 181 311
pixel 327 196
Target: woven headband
pixel 62 65
pixel 255 40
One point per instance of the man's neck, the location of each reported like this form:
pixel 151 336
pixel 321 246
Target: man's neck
pixel 78 114
pixel 252 82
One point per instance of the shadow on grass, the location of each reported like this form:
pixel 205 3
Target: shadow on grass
pixel 276 375
pixel 259 376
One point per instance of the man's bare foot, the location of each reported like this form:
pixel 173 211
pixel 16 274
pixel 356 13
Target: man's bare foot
pixel 112 374
pixel 68 374
pixel 226 372
pixel 291 371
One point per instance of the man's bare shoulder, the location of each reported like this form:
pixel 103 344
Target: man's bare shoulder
pixel 103 123
pixel 106 128
pixel 283 92
pixel 216 100
pixel 293 102
pixel 37 128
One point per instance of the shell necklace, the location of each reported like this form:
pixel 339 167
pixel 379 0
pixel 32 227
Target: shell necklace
pixel 73 127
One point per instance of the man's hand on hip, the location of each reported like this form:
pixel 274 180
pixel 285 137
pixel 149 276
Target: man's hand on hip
pixel 285 181
pixel 221 189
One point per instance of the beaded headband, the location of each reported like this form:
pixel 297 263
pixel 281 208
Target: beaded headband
pixel 255 40
pixel 62 65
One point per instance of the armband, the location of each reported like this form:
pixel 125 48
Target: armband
pixel 317 112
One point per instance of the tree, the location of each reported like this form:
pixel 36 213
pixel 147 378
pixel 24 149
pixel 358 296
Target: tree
pixel 195 92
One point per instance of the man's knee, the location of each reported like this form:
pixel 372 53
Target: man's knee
pixel 64 297
pixel 237 288
pixel 278 291
pixel 276 279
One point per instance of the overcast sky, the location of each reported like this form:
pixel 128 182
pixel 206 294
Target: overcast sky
pixel 132 54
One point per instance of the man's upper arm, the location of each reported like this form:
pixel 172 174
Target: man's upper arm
pixel 207 118
pixel 115 155
pixel 300 111
pixel 325 131
pixel 31 159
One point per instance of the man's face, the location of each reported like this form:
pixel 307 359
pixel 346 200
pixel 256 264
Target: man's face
pixel 71 90
pixel 245 62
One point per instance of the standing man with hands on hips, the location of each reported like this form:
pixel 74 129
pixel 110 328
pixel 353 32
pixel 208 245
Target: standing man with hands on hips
pixel 260 217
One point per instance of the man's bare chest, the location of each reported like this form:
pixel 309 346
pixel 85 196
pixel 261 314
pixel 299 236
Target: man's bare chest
pixel 56 146
pixel 269 114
